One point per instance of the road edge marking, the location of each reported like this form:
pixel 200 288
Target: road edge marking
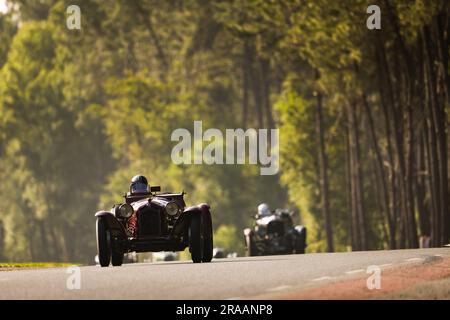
pixel 355 271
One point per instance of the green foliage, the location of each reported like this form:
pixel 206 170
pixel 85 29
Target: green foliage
pixel 82 111
pixel 8 29
pixel 35 265
pixel 226 236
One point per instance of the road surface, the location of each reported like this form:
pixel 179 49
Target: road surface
pixel 238 278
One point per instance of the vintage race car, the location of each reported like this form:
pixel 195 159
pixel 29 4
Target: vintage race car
pixel 275 233
pixel 154 222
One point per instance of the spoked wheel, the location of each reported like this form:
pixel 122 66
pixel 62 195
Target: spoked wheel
pixel 103 243
pixel 196 241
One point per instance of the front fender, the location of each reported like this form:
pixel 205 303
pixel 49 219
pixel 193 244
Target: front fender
pixel 302 232
pixel 248 232
pixel 300 229
pixel 184 220
pixel 115 227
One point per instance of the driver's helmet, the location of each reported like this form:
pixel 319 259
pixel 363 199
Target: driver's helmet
pixel 263 210
pixel 139 184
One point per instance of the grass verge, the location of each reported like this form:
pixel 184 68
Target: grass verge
pixel 35 265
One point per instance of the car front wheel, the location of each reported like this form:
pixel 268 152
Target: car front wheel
pixel 196 241
pixel 208 244
pixel 116 258
pixel 103 243
pixel 250 244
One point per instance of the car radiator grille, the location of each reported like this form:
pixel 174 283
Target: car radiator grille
pixel 149 222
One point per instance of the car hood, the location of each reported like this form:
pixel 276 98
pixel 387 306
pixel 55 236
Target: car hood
pixel 139 204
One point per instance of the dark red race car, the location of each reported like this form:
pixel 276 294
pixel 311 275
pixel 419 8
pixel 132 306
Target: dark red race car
pixel 151 221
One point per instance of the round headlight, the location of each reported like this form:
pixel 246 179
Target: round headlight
pixel 172 208
pixel 125 210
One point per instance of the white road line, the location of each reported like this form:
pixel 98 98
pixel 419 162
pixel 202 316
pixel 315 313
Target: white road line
pixel 322 278
pixel 386 265
pixel 234 298
pixel 415 259
pixel 438 255
pixel 354 271
pixel 280 288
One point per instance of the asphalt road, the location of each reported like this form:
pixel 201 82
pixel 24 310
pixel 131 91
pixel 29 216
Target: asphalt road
pixel 238 278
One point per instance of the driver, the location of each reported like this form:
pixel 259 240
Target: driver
pixel 139 185
pixel 263 210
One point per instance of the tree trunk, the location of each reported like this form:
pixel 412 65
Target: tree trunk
pixel 255 79
pixel 349 185
pixel 246 60
pixel 356 174
pixel 437 136
pixel 265 71
pixel 323 160
pixel 44 243
pixel 387 99
pixel 379 169
pixel 422 207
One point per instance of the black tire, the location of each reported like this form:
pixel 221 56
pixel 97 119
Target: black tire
pixel 196 242
pixel 290 243
pixel 116 258
pixel 208 245
pixel 251 248
pixel 300 248
pixel 300 241
pixel 103 243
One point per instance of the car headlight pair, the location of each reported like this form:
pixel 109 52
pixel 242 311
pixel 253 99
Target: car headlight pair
pixel 172 209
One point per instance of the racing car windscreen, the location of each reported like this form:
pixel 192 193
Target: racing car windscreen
pixel 139 188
